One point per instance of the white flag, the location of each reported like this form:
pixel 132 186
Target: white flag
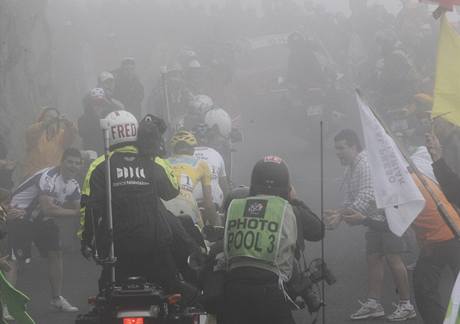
pixel 453 310
pixel 394 189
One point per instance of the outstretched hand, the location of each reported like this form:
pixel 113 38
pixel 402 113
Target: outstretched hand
pixel 15 213
pixel 332 218
pixel 353 217
pixel 433 146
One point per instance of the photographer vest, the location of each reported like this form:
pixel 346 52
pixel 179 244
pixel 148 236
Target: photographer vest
pixel 261 232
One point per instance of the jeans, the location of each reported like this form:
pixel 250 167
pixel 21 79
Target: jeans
pixel 427 274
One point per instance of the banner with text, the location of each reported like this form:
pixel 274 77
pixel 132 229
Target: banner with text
pixel 395 190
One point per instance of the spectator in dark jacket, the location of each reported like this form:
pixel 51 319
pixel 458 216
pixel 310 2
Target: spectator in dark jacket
pixel 448 179
pixel 128 88
pixel 96 106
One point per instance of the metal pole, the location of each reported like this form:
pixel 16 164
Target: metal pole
pixel 440 206
pixel 323 285
pixel 108 188
pixel 164 81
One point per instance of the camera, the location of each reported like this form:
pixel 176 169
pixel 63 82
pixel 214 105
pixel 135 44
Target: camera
pixel 319 271
pixel 304 285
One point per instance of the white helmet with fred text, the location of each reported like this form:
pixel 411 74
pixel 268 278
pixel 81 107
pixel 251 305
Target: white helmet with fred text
pixel 122 127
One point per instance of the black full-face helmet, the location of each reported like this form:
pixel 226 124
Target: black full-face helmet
pixel 270 176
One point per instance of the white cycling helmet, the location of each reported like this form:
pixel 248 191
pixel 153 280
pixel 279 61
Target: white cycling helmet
pixel 97 93
pixel 219 117
pixel 202 103
pixel 104 76
pixel 122 126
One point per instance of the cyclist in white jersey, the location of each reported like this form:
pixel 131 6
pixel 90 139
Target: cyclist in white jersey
pixel 219 181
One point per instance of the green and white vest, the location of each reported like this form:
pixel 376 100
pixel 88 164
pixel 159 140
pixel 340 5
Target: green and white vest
pixel 261 232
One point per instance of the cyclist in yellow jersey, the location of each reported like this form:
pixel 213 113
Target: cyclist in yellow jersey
pixel 190 172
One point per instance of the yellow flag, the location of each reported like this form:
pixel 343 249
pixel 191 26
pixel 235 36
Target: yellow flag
pixel 447 86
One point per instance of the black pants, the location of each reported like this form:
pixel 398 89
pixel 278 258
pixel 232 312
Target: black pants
pixel 134 259
pixel 430 264
pixel 252 296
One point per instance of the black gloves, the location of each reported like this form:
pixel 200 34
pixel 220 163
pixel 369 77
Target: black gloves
pixel 86 250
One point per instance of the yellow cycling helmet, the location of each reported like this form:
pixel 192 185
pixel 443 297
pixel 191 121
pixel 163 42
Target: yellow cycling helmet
pixel 183 136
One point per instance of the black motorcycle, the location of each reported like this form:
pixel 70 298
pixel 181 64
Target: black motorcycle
pixel 138 302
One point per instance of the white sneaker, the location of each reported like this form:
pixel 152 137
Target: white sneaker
pixel 63 305
pixel 6 315
pixel 402 312
pixel 369 309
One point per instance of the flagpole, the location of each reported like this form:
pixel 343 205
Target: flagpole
pixel 439 205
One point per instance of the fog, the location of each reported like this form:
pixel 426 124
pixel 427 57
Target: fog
pixel 279 68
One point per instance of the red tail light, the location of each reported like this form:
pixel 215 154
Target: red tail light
pixel 133 320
